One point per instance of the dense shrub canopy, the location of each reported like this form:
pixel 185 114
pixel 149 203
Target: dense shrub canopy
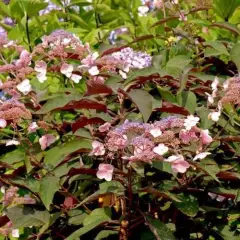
pixel 119 119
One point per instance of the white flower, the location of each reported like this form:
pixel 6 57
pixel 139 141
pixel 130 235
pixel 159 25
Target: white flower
pixel 3 123
pixel 215 84
pixel 201 155
pixel 142 11
pixel 98 148
pixel 123 74
pixel 76 78
pixel 214 116
pixel 12 142
pixel 190 122
pixel 155 132
pixel 66 69
pixel 210 98
pixel 41 69
pixel 160 149
pixel 24 87
pixel 93 71
pixel 66 41
pixel 226 84
pixel 15 233
pixel 3 189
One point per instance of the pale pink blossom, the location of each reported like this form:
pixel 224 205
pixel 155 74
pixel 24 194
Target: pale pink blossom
pixel 182 16
pixel 15 233
pixel 93 71
pixel 105 171
pixel 201 156
pixel 190 122
pixel 41 69
pixel 123 74
pixel 215 84
pixel 32 127
pixel 46 140
pixel 210 98
pixel 90 60
pixel 105 127
pixel 178 163
pixel 206 138
pixel 158 4
pixel 24 87
pixel 226 85
pixel 188 136
pixel 75 78
pixel 155 132
pixel 161 149
pixel 66 69
pixel 3 123
pixel 218 197
pixel 98 148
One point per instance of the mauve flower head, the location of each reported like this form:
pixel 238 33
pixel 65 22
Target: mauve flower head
pixel 105 171
pixel 133 59
pixel 188 136
pixel 51 6
pixel 46 140
pixel 141 144
pixel 24 59
pixel 113 36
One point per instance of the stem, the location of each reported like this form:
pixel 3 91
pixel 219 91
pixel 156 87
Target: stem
pixel 130 194
pixel 28 35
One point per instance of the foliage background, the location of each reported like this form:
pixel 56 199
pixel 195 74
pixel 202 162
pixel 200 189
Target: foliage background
pixel 71 202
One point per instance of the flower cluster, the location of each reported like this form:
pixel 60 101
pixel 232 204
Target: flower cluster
pixel 160 141
pixel 11 198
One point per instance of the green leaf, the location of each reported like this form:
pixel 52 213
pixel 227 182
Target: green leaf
pixel 159 229
pixel 166 95
pixel 49 185
pixel 96 217
pixel 58 102
pixel 235 55
pixel 105 234
pixel 57 154
pixel 17 155
pixel 215 48
pixel 27 216
pixel 162 166
pixel 32 7
pixel 143 101
pixel 187 100
pixel 178 63
pixel 188 205
pixel 225 8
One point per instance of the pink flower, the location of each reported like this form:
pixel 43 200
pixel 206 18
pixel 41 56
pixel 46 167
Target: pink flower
pixel 98 148
pixel 90 59
pixel 105 127
pixel 178 163
pixel 46 140
pixel 206 138
pixel 190 122
pixel 105 171
pixel 3 123
pixel 32 127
